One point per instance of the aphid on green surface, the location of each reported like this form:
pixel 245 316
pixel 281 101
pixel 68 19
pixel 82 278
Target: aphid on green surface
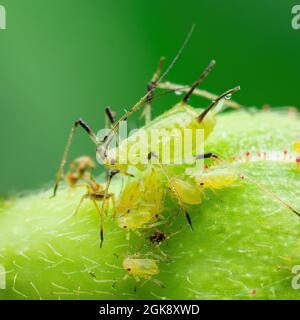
pixel 129 197
pixel 96 193
pixel 215 177
pixel 141 268
pixel 140 202
pixel 136 219
pixel 157 238
pixel 185 190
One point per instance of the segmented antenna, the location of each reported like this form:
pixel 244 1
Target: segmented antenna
pixel 107 139
pixel 266 190
pixel 203 75
pixel 110 114
pixel 216 101
pixel 272 194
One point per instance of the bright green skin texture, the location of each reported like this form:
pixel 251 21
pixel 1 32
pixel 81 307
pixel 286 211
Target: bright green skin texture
pixel 244 245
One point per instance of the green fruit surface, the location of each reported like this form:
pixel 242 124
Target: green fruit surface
pixel 244 244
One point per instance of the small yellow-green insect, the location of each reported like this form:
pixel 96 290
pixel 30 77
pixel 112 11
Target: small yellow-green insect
pixel 186 191
pixel 214 177
pixel 141 268
pixel 140 202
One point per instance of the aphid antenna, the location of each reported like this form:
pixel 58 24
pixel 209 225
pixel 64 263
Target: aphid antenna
pixel 266 190
pixel 111 115
pixel 273 195
pixel 108 138
pixel 200 79
pixel 224 95
pixel 152 86
pixel 200 93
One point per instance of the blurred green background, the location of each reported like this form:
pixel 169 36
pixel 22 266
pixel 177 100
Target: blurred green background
pixel 60 60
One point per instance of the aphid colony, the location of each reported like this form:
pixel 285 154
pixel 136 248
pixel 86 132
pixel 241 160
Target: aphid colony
pixel 140 206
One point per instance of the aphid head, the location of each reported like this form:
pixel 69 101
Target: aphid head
pixel 128 264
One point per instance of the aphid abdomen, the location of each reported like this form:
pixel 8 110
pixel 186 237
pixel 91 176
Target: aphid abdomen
pixel 129 197
pixel 188 193
pixel 216 178
pixel 140 267
pixel 135 219
pixel 165 131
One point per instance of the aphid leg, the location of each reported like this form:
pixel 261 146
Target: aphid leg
pixel 101 221
pixel 84 197
pixel 113 201
pixel 110 175
pixel 150 279
pixel 91 134
pixel 180 202
pixel 157 282
pixel 208 155
pixel 150 88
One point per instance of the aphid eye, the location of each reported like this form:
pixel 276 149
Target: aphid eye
pixel 202 184
pixel 128 210
pixel 125 227
pixel 156 216
pixel 128 269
